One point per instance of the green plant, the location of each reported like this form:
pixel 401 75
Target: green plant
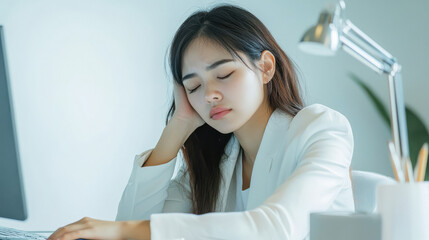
pixel 417 131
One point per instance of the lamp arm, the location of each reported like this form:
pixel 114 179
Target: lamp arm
pixel 360 54
pixel 366 50
pixel 362 47
pixel 351 30
pixel 398 114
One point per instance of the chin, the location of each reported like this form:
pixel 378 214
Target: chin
pixel 223 129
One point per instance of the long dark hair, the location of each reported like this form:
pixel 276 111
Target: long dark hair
pixel 237 30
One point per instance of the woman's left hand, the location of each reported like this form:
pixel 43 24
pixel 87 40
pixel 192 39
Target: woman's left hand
pixel 89 228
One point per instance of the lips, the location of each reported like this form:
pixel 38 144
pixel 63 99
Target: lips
pixel 218 110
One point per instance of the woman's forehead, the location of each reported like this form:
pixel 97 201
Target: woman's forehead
pixel 201 52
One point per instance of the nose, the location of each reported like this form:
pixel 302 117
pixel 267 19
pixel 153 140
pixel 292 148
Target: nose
pixel 212 93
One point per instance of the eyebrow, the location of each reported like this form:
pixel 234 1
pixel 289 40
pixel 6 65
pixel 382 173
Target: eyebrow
pixel 212 66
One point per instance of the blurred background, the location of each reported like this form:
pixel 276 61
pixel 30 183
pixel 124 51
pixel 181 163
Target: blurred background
pixel 91 88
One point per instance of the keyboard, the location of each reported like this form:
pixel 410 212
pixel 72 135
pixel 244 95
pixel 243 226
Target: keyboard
pixel 15 234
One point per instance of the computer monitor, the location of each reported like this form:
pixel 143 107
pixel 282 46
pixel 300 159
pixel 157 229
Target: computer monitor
pixel 12 199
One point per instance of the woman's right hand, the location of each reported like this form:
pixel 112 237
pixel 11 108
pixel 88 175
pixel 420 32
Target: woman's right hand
pixel 184 111
pixel 181 125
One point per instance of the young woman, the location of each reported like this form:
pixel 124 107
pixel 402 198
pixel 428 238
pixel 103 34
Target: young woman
pixel 254 161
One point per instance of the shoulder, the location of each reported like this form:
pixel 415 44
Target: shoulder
pixel 312 123
pixel 317 117
pixel 320 127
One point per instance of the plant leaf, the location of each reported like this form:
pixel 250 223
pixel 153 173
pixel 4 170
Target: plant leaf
pixel 418 134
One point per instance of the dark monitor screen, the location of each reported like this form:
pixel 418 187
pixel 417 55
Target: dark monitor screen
pixel 12 200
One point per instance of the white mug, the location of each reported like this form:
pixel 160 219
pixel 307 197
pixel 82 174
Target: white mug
pixel 404 210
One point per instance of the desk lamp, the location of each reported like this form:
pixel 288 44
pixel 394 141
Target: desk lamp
pixel 332 32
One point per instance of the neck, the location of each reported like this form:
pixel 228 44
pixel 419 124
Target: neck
pixel 250 134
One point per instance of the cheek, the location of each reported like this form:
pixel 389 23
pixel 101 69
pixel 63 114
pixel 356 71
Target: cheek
pixel 247 89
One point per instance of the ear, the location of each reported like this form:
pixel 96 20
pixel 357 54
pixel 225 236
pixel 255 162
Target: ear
pixel 267 64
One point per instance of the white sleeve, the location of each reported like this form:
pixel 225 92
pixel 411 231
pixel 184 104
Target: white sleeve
pixel 151 190
pixel 325 151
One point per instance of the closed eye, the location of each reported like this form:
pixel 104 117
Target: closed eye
pixel 193 90
pixel 226 75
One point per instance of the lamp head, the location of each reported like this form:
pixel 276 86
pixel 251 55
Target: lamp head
pixel 324 37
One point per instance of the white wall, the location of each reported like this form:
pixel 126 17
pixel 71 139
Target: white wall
pixel 90 89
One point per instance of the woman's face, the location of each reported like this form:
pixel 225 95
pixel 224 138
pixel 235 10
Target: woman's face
pixel 214 80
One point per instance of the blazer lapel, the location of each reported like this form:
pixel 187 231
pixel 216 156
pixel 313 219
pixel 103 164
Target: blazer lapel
pixel 271 143
pixel 227 167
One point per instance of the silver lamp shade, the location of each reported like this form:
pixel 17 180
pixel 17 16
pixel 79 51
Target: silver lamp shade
pixel 323 38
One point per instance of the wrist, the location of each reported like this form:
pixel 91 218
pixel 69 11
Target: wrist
pixel 182 126
pixel 139 230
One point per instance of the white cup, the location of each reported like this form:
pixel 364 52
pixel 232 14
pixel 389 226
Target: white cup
pixel 404 210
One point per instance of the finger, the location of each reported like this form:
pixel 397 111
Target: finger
pixel 60 232
pixel 66 229
pixel 179 94
pixel 178 88
pixel 85 233
pixel 175 85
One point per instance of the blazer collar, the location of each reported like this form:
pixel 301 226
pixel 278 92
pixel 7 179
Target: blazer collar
pixel 272 140
pixel 227 167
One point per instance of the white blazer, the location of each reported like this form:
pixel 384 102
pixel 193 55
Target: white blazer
pixel 302 166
